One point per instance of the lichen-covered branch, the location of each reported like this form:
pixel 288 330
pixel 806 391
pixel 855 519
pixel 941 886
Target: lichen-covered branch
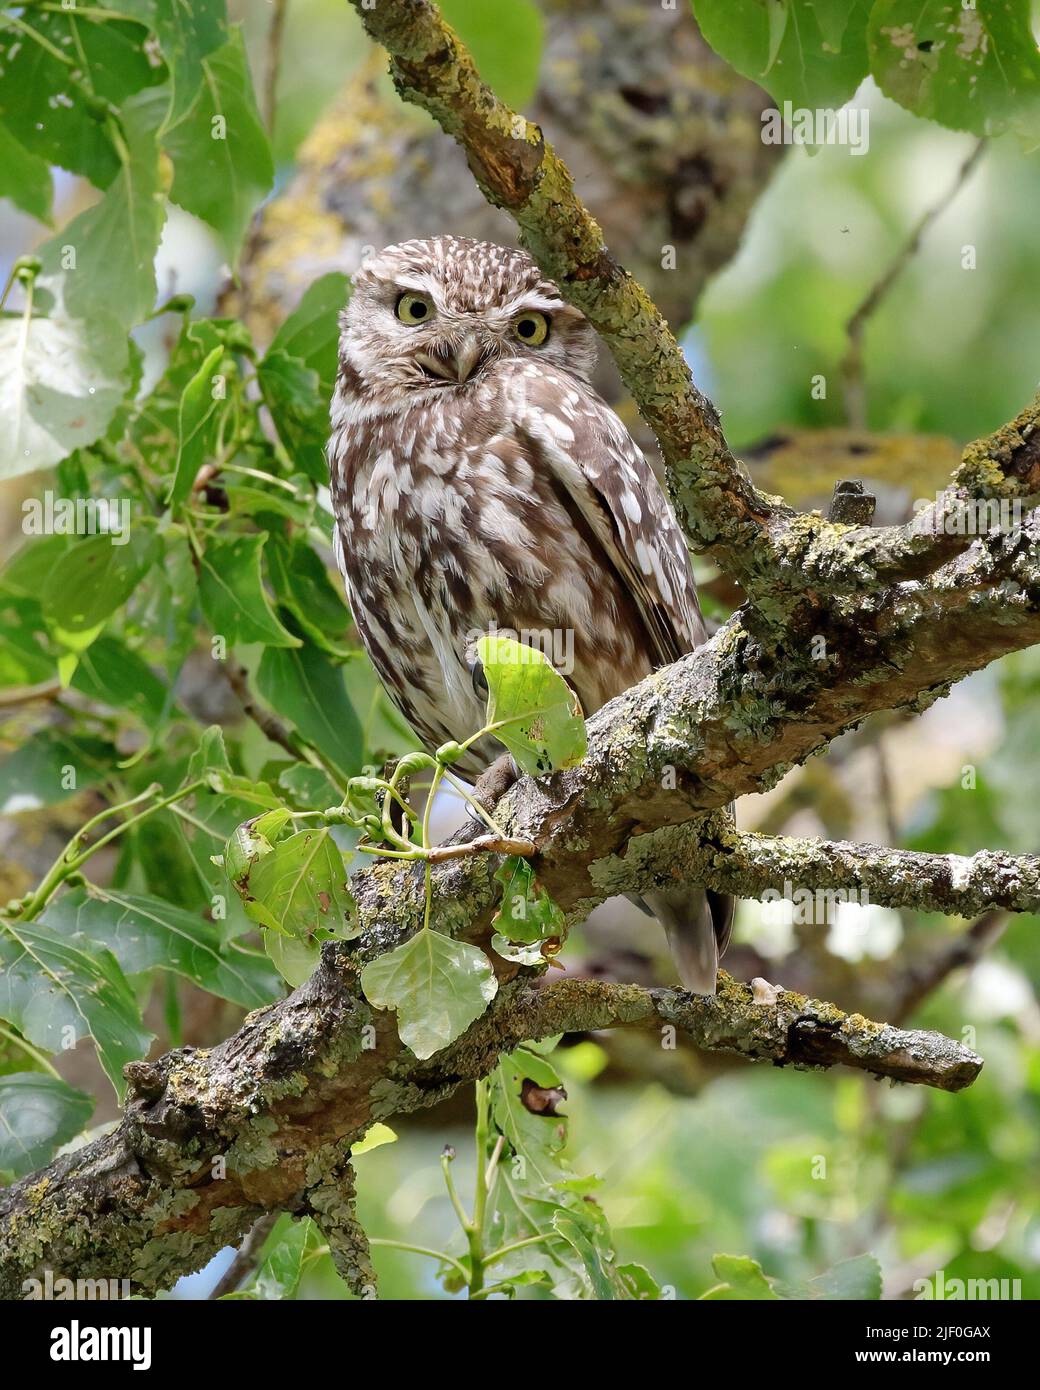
pixel 751 865
pixel 212 1139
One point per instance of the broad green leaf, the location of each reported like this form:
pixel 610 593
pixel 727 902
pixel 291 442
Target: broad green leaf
pixel 298 373
pixel 812 53
pixel 187 33
pixel 308 787
pixel 437 985
pixel 527 913
pixel 741 1279
pixel 56 108
pixel 974 69
pixel 531 708
pixel 146 933
pixel 109 672
pixel 94 577
pixel 292 392
pixel 233 597
pixel 311 332
pixel 540 1138
pixel 55 990
pixel 295 958
pixel 104 260
pixel 38 1113
pixel 308 690
pixel 50 766
pixel 220 152
pixel 505 41
pixel 298 887
pixel 302 585
pixel 197 417
pixel 24 178
pixel 61 381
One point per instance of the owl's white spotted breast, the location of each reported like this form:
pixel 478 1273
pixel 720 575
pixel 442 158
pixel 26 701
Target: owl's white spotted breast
pixel 517 499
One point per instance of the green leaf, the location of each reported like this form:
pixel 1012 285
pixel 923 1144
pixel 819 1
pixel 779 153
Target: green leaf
pixel 537 715
pixel 308 787
pixel 857 1279
pixel 295 958
pixel 38 1113
pixel 112 674
pixel 50 766
pixel 586 1231
pixel 302 585
pixel 186 34
pixel 232 593
pixel 539 1138
pixel 94 577
pixel 221 156
pixel 311 332
pixel 104 260
pixel 197 417
pixel 527 913
pixel 437 985
pixel 305 688
pixel 57 108
pixel 298 373
pixel 24 178
pixel 290 1246
pixel 57 991
pixel 292 392
pixel 741 1279
pixel 505 41
pixel 298 887
pixel 146 933
pixel 210 756
pixel 972 69
pixel 812 53
pixel 61 381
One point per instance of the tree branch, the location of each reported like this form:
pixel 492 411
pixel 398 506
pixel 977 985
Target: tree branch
pixel 213 1139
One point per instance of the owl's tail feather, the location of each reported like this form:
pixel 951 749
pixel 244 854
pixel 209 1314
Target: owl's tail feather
pixel 697 923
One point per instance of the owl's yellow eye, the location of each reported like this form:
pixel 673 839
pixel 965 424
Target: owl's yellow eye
pixel 532 328
pixel 412 308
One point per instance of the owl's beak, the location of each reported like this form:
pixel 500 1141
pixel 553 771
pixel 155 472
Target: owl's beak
pixel 458 363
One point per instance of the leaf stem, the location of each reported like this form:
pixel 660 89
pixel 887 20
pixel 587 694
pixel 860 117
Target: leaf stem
pixel 30 1051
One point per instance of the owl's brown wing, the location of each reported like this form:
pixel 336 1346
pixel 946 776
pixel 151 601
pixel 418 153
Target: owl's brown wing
pixel 602 479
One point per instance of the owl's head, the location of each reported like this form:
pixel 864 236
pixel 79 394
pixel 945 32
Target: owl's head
pixel 434 316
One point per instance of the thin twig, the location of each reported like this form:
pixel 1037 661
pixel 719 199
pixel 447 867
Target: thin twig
pixel 23 694
pixel 852 362
pixel 247 1257
pixel 275 34
pixel 961 951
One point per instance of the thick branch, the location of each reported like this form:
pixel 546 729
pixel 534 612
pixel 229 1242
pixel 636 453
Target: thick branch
pixel 214 1138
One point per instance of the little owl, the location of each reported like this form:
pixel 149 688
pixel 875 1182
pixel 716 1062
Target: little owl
pixel 480 483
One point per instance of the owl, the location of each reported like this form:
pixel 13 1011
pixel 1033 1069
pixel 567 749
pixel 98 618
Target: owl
pixel 480 484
